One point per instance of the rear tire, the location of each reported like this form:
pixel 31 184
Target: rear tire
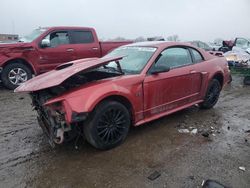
pixel 212 95
pixel 108 125
pixel 15 74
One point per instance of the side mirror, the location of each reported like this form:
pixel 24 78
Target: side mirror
pixel 45 43
pixel 159 69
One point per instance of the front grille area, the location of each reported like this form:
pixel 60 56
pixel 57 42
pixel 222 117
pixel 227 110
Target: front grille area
pixel 44 119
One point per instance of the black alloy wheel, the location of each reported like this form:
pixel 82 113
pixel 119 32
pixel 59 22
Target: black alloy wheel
pixel 108 125
pixel 212 94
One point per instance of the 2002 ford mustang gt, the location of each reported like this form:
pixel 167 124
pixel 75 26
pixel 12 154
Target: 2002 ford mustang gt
pixel 132 85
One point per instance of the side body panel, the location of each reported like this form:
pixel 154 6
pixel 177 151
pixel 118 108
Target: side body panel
pixel 169 90
pixel 49 58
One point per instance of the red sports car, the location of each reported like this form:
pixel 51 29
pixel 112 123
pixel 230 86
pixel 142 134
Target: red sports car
pixel 101 98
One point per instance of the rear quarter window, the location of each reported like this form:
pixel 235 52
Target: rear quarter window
pixel 196 56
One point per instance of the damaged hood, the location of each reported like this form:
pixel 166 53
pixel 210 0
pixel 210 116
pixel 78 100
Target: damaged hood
pixel 238 55
pixel 63 72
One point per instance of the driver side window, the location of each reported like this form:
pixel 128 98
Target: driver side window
pixel 174 57
pixel 58 38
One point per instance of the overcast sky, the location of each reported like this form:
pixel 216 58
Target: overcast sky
pixel 190 19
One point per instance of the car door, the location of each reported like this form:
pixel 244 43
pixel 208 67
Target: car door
pixel 57 50
pixel 169 90
pixel 85 45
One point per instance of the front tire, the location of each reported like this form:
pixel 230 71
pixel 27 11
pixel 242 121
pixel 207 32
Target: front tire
pixel 15 74
pixel 108 125
pixel 212 95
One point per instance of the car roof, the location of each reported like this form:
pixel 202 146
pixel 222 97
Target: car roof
pixel 159 44
pixel 67 27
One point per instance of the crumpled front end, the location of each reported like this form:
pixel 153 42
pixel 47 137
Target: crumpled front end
pixel 59 115
pixel 54 118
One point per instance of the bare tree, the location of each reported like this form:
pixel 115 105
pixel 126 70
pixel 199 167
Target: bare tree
pixel 118 39
pixel 140 39
pixel 156 38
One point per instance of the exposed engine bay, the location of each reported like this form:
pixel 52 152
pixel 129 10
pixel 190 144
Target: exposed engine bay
pixel 52 119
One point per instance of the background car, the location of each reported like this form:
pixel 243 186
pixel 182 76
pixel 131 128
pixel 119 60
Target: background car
pixel 203 45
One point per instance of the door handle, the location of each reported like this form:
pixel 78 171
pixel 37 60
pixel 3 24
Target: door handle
pixel 95 48
pixel 70 50
pixel 193 71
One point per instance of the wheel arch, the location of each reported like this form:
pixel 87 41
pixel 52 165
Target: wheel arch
pixel 22 61
pixel 121 99
pixel 219 76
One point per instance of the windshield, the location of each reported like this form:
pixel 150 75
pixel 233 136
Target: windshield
pixel 33 35
pixel 135 58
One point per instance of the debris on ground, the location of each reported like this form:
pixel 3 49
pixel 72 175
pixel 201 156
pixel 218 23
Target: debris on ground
pixel 154 175
pixel 242 168
pixel 228 128
pixel 205 134
pixel 211 184
pixel 21 98
pixel 183 131
pixel 248 131
pixel 194 131
pixel 191 177
pixel 191 130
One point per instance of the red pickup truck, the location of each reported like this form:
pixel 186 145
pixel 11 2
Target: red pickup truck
pixel 46 48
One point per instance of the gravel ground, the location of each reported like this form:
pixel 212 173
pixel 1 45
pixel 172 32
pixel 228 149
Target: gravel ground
pixel 183 160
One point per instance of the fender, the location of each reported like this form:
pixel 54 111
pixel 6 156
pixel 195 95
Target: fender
pixel 218 68
pixel 88 100
pixel 219 71
pixel 85 100
pixel 6 61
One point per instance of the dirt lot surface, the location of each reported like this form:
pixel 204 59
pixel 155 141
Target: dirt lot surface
pixel 183 160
